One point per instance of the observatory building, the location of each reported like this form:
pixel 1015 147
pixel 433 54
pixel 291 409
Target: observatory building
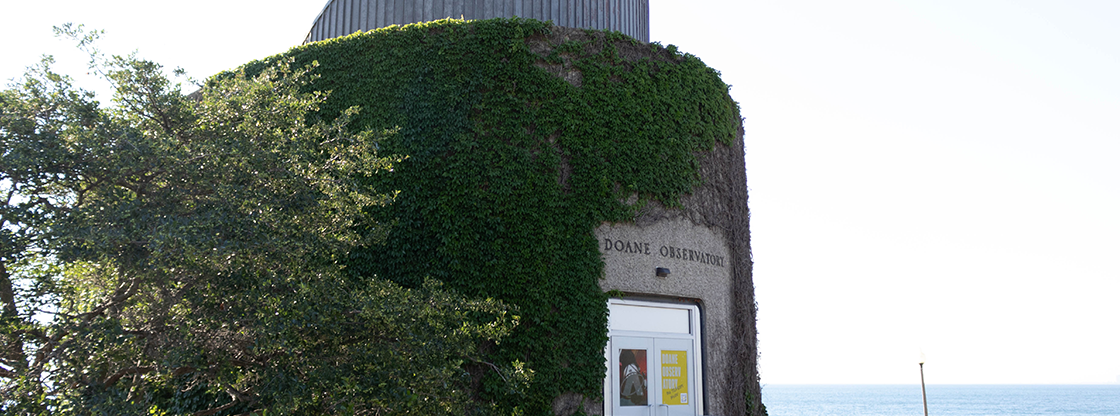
pixel 670 259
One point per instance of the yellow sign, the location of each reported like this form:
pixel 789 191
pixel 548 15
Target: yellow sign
pixel 674 377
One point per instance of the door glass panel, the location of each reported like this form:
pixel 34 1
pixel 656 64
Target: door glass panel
pixel 633 389
pixel 632 382
pixel 676 378
pixel 646 319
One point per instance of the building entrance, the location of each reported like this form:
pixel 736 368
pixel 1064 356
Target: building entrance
pixel 654 360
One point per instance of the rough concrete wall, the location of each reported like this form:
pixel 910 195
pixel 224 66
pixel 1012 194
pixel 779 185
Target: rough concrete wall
pixel 722 203
pixel 745 378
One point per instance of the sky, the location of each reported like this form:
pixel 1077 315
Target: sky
pixel 936 177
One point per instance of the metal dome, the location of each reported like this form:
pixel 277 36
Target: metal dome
pixel 343 17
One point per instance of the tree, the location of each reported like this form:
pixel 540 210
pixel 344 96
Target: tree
pixel 175 254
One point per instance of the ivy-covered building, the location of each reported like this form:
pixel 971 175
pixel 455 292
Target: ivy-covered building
pixel 553 159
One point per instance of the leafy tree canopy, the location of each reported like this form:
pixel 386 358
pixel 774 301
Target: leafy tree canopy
pixel 181 254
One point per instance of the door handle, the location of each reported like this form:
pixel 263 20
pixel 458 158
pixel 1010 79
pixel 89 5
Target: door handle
pixel 666 408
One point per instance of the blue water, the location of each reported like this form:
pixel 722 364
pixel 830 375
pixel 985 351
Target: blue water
pixel 944 400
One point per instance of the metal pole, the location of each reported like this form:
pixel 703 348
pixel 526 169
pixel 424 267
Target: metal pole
pixel 923 372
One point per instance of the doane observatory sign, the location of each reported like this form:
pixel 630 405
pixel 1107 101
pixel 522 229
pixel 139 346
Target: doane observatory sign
pixel 666 251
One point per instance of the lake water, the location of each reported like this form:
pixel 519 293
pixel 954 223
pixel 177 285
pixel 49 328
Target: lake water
pixel 944 400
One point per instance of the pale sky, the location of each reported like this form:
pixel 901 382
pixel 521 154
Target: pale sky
pixel 937 176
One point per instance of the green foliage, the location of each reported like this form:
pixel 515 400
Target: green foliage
pixel 507 168
pixel 184 255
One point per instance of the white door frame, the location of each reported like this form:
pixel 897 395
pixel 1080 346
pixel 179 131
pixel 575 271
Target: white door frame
pixel 693 333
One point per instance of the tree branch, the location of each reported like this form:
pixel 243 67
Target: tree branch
pixel 7 292
pixel 214 410
pixel 13 344
pixel 8 373
pixel 133 370
pixel 235 396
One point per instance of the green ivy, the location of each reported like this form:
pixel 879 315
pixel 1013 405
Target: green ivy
pixel 507 168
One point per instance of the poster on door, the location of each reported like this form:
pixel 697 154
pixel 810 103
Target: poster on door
pixel 674 377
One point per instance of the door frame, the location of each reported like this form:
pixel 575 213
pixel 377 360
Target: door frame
pixel 695 362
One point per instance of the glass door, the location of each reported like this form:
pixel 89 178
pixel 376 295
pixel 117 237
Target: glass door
pixel 652 376
pixel 653 357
